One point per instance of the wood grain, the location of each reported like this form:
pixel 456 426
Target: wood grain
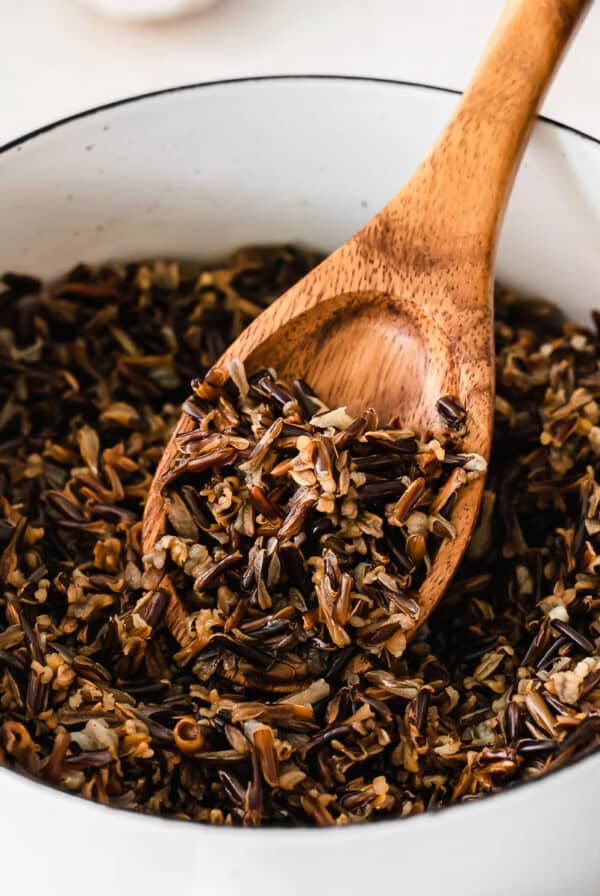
pixel 403 312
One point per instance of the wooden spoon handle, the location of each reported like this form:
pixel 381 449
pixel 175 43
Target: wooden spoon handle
pixel 456 198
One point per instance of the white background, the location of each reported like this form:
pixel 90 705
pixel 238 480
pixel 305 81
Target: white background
pixel 57 58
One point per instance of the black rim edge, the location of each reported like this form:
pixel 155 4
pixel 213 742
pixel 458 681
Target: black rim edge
pixel 365 79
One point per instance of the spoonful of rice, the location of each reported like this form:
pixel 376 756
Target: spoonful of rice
pixel 325 476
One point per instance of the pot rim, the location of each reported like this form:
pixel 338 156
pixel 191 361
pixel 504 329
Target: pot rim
pixel 252 79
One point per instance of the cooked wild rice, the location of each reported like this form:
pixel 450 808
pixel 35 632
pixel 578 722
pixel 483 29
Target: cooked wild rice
pixel 243 706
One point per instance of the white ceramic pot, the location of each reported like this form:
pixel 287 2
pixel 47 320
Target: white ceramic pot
pixel 196 172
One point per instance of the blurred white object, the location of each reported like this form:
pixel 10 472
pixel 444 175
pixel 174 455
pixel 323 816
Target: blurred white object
pixel 147 10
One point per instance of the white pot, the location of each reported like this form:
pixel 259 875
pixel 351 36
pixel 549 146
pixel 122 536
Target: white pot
pixel 196 172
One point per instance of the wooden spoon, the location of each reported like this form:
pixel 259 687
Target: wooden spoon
pixel 402 313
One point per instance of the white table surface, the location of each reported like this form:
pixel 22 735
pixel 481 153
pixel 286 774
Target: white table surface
pixel 58 58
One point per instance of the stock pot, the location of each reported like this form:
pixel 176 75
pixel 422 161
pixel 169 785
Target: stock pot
pixel 193 173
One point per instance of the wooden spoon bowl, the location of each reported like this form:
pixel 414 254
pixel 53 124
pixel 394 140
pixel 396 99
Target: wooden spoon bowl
pixel 375 340
pixel 402 313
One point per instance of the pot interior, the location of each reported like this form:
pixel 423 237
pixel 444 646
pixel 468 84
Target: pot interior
pixel 198 171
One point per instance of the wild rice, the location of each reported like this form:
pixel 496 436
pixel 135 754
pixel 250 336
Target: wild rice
pixel 269 694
